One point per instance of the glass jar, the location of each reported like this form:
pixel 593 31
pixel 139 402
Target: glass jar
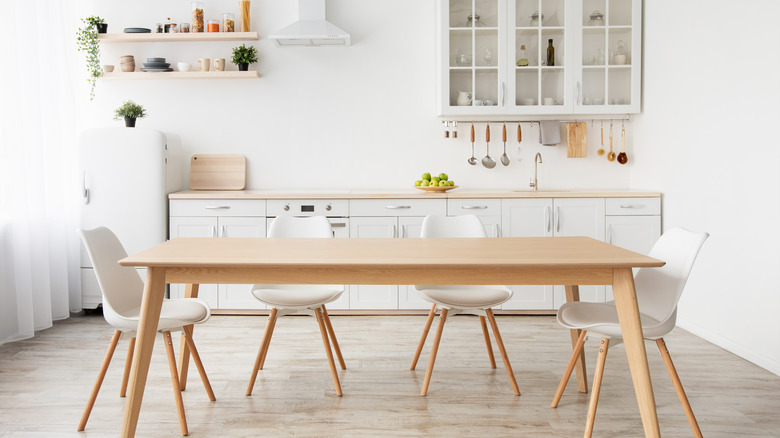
pixel 174 28
pixel 197 17
pixel 159 27
pixel 212 26
pixel 244 6
pixel 596 19
pixel 228 22
pixel 535 17
pixel 185 28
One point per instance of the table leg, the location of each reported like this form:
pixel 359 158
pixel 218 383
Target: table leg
pixel 151 305
pixel 191 291
pixel 573 294
pixel 628 314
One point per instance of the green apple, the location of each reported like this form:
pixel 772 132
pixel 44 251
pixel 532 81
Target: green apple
pixel 426 175
pixel 417 183
pixel 452 183
pixel 435 179
pixel 443 176
pixel 443 184
pixel 425 183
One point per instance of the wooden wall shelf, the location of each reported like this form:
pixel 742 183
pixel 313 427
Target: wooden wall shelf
pixel 176 37
pixel 139 75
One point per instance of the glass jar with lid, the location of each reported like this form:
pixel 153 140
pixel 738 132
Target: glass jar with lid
pixel 197 17
pixel 228 22
pixel 535 17
pixel 596 19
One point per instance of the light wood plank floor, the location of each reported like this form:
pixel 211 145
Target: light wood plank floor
pixel 45 382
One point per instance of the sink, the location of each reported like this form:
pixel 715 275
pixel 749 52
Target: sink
pixel 540 191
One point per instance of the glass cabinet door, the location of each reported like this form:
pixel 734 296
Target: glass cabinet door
pixel 474 49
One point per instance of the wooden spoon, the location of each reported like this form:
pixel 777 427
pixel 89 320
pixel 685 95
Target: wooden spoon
pixel 601 150
pixel 519 139
pixel 611 154
pixel 622 158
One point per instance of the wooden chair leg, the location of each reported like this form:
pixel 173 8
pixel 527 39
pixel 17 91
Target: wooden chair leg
pixel 678 387
pixel 424 336
pixel 187 335
pixel 594 396
pixel 269 329
pixel 502 350
pixel 434 350
pixel 175 381
pixel 333 339
pixel 128 364
pixel 324 333
pixel 99 380
pixel 489 346
pixel 569 368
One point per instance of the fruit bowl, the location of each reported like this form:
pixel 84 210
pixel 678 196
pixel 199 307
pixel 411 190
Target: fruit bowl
pixel 435 188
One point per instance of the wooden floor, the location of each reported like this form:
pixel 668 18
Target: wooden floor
pixel 45 382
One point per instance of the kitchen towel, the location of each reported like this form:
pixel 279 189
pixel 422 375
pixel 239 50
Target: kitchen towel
pixel 549 132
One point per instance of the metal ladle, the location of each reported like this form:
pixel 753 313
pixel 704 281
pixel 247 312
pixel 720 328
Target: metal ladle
pixel 505 157
pixel 487 161
pixel 473 159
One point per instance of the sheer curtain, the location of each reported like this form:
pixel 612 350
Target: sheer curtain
pixel 38 154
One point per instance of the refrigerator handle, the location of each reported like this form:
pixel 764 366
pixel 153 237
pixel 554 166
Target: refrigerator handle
pixel 84 189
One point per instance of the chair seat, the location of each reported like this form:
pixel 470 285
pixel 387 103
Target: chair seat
pixel 601 319
pixel 174 314
pixel 297 296
pixel 465 297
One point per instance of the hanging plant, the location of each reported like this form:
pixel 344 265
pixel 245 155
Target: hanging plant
pixel 88 42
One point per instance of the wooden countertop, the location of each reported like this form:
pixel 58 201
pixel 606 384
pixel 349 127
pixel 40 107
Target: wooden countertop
pixel 457 193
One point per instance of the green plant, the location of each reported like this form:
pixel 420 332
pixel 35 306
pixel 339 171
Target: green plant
pixel 87 40
pixel 244 55
pixel 129 109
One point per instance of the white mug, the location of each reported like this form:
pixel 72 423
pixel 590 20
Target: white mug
pixel 204 64
pixel 219 64
pixel 549 101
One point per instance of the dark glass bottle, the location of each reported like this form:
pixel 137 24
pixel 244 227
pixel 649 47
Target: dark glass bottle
pixel 550 52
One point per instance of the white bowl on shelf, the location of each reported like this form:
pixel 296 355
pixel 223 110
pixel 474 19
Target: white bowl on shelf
pixel 184 66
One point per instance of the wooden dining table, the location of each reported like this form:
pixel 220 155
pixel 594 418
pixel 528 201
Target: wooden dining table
pixel 569 261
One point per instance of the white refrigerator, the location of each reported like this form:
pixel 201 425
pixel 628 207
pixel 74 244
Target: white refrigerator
pixel 127 175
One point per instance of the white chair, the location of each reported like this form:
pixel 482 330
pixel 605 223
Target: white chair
pixel 452 300
pixel 299 298
pixel 658 291
pixel 122 290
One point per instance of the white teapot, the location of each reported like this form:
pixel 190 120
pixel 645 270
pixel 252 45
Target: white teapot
pixel 464 98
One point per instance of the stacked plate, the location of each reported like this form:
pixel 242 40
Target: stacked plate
pixel 156 65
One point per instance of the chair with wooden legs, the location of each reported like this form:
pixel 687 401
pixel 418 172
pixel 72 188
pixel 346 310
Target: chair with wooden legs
pixel 299 298
pixel 122 290
pixel 453 300
pixel 658 291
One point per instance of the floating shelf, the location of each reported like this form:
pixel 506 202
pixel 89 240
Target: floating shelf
pixel 181 75
pixel 171 37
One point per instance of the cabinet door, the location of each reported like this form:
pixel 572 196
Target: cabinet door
pixel 528 218
pixel 579 217
pixel 237 296
pixel 373 296
pixel 408 297
pixel 634 233
pixel 188 226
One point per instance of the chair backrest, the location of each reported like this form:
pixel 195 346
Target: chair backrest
pixel 659 289
pixel 301 227
pixel 466 225
pixel 121 286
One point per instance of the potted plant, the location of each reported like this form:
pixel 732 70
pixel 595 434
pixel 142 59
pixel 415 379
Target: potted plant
pixel 243 56
pixel 88 42
pixel 129 111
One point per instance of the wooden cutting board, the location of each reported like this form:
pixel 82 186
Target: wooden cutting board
pixel 217 172
pixel 576 140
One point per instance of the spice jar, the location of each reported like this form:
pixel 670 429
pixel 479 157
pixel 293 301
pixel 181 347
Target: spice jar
pixel 197 17
pixel 185 28
pixel 159 27
pixel 228 22
pixel 174 29
pixel 212 26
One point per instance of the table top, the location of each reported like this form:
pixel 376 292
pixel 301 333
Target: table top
pixel 506 252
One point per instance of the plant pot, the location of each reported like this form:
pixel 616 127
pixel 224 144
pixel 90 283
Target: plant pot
pixel 129 122
pixel 243 66
pixel 102 27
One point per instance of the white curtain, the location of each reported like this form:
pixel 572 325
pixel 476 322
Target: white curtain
pixel 38 132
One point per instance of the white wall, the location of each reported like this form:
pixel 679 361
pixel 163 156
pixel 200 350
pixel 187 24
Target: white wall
pixel 707 139
pixel 362 117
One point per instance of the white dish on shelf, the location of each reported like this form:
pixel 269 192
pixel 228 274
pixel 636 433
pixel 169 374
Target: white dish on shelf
pixel 155 69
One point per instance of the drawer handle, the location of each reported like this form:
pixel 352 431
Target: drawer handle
pixel 397 207
pixel 474 207
pixel 633 206
pixel 338 224
pixel 217 207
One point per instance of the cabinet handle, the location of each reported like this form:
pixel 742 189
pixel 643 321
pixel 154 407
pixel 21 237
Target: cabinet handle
pixel 557 219
pixel 395 231
pixel 498 230
pixel 609 234
pixel 217 207
pixel 338 224
pixel 547 218
pixel 503 92
pixel 222 232
pixel 397 207
pixel 84 189
pixel 632 206
pixel 403 231
pixel 214 231
pixel 579 93
pixel 474 207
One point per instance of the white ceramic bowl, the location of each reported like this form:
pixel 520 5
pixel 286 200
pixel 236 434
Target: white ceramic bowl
pixel 184 66
pixel 108 68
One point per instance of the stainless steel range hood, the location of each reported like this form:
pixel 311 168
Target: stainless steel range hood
pixel 311 29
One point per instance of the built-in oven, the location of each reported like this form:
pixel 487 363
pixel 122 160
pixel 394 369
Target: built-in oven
pixel 336 210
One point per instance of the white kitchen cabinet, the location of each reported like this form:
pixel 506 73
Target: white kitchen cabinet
pixel 218 219
pixel 481 43
pixel 488 211
pixel 544 217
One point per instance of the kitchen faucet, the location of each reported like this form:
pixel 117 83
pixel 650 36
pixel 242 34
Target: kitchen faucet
pixel 535 181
